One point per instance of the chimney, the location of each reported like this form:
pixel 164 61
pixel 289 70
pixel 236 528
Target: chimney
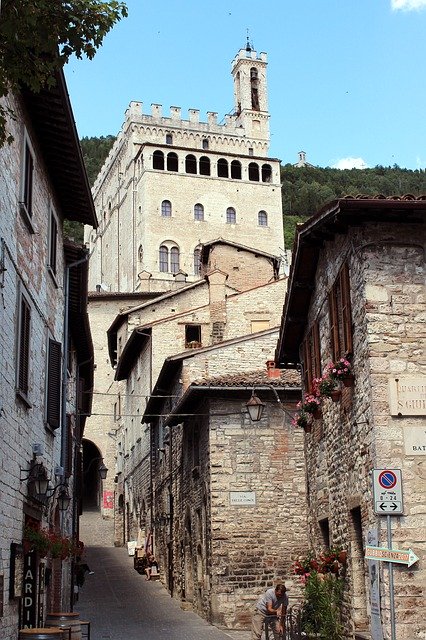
pixel 271 370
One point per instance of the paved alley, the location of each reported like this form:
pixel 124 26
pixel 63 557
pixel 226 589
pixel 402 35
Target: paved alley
pixel 122 605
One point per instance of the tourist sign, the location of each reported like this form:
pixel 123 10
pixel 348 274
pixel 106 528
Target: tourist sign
pixel 401 556
pixel 387 491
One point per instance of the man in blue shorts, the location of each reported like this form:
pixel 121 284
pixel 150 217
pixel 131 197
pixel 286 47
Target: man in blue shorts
pixel 274 602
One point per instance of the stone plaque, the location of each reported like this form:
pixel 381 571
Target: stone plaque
pixel 415 440
pixel 407 396
pixel 242 498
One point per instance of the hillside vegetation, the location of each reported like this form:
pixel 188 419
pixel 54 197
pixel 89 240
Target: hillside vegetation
pixel 304 189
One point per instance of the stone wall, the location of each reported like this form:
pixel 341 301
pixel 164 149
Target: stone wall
pixel 360 432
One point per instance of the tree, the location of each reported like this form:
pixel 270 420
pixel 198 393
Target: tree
pixel 37 38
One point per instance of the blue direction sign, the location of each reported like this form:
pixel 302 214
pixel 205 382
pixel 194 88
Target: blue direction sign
pixel 387 492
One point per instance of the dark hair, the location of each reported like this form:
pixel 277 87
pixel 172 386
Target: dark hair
pixel 280 587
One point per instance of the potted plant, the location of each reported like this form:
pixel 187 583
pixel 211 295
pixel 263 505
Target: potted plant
pixel 326 387
pixel 323 579
pixel 311 404
pixel 37 540
pixel 342 370
pixel 301 419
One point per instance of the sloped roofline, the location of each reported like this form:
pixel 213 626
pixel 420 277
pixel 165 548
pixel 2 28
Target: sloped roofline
pixel 335 217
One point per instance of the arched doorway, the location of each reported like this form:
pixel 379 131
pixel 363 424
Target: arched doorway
pixel 92 486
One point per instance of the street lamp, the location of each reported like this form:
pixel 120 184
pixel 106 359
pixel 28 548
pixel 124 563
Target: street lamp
pixel 103 471
pixel 255 407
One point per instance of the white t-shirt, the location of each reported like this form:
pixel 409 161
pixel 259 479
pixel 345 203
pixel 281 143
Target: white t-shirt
pixel 270 596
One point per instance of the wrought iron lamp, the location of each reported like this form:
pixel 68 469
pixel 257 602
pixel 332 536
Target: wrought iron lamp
pixel 255 407
pixel 38 481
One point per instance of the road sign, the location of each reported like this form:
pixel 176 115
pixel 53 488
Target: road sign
pixel 387 492
pixel 401 556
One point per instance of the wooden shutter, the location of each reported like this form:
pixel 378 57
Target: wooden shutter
pixel 345 293
pixel 53 403
pixel 316 350
pixel 307 363
pixel 334 323
pixel 24 347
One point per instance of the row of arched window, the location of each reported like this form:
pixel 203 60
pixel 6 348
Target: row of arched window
pixel 169 259
pixel 231 214
pixel 202 167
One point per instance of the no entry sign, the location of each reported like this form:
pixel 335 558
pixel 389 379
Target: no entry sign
pixel 387 492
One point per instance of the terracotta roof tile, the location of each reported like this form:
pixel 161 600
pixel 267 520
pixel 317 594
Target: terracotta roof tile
pixel 288 378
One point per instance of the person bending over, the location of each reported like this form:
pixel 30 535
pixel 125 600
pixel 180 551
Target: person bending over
pixel 274 602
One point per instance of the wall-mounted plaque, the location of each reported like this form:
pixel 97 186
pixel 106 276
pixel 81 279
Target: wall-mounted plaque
pixel 242 498
pixel 407 396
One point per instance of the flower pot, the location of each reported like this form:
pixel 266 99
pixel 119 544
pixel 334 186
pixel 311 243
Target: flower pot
pixel 317 413
pixel 335 395
pixel 348 381
pixel 307 428
pixel 342 557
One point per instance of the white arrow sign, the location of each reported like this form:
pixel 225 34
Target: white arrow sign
pixel 401 556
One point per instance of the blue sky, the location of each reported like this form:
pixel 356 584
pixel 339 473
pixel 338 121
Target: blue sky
pixel 346 77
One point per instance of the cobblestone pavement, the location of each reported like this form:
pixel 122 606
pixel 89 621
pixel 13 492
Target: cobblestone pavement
pixel 120 603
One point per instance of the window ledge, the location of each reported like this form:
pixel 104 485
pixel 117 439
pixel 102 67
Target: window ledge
pixel 26 217
pixel 24 398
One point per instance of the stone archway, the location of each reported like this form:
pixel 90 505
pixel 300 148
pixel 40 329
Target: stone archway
pixel 92 485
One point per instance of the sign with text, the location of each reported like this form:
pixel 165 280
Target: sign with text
pixel 415 441
pixel 401 556
pixel 108 501
pixel 407 396
pixel 387 492
pixel 29 595
pixel 242 498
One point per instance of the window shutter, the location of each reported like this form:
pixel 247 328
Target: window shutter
pixel 316 351
pixel 346 310
pixel 54 385
pixel 24 347
pixel 307 373
pixel 334 324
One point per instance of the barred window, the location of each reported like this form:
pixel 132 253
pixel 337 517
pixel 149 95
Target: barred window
pixel 166 208
pixel 198 212
pixel 262 219
pixel 231 216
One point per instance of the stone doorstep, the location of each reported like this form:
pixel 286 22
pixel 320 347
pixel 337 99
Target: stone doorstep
pixel 362 635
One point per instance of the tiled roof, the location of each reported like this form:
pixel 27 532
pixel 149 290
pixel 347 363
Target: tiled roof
pixel 287 378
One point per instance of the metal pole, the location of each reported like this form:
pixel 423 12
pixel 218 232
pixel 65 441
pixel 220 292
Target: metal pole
pixel 391 589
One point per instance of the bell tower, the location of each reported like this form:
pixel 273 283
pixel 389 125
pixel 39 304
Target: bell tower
pixel 251 93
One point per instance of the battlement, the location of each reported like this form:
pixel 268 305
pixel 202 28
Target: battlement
pixel 135 114
pixel 244 54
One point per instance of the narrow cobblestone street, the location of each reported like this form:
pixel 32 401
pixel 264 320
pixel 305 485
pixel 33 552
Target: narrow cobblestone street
pixel 122 605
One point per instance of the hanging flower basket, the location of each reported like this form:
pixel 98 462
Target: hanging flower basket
pixel 341 370
pixel 349 381
pixel 317 414
pixel 301 419
pixel 324 386
pixel 45 542
pixel 310 403
pixel 335 395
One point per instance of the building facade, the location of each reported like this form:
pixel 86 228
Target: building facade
pixel 169 185
pixel 357 291
pixel 46 354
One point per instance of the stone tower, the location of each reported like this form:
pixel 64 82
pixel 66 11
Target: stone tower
pixel 170 184
pixel 251 93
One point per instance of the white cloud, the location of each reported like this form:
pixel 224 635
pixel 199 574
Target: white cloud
pixel 350 163
pixel 408 5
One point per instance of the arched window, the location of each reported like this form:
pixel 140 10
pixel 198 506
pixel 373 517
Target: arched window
pixel 169 138
pixel 205 143
pixel 158 160
pixel 266 173
pixel 236 170
pixel 204 166
pixel 172 161
pixel 262 219
pixel 190 164
pixel 222 168
pixel 197 263
pixel 198 212
pixel 164 259
pixel 231 216
pixel 253 172
pixel 254 85
pixel 140 253
pixel 174 259
pixel 166 208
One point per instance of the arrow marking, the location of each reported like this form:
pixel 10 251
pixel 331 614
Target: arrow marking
pixel 401 556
